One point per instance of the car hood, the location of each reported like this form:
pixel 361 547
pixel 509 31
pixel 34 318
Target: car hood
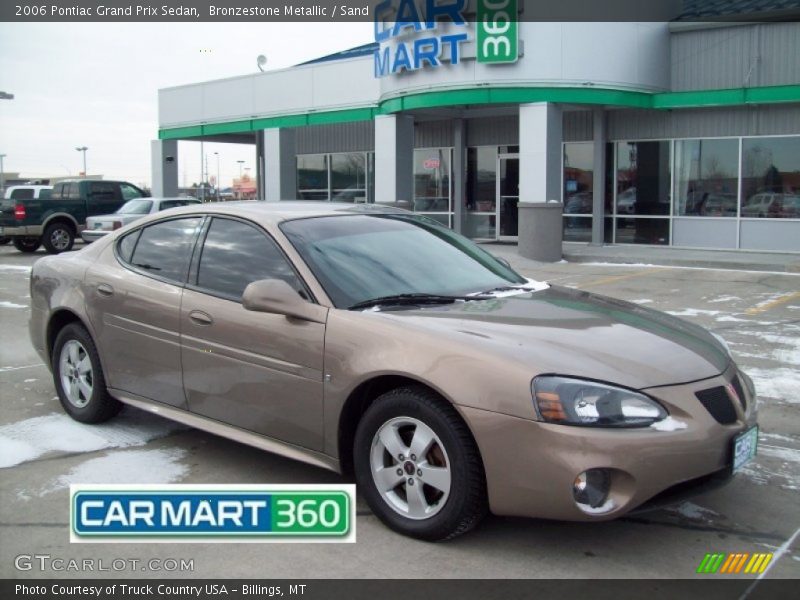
pixel 570 332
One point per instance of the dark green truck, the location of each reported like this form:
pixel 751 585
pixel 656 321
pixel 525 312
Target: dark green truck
pixel 56 221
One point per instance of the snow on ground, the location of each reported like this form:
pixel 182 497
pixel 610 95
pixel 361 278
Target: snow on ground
pixel 724 299
pixel 29 439
pixel 128 466
pixel 692 312
pixel 782 384
pixel 775 465
pixel 4 369
pixel 7 304
pixel 777 437
pixel 780 452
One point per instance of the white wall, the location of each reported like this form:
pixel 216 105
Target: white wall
pixel 612 55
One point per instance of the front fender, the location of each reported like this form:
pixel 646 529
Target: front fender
pixel 360 346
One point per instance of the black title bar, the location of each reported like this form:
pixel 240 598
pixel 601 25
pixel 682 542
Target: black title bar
pixel 362 10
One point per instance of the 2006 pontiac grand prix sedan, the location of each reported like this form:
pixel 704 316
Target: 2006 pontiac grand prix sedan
pixel 374 341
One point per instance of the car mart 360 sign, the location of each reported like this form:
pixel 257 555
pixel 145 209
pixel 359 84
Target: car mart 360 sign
pixel 418 43
pixel 210 513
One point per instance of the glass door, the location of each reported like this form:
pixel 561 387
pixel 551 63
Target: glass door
pixel 507 196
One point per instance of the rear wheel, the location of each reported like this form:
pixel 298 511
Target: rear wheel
pixel 58 237
pixel 27 244
pixel 79 378
pixel 418 466
pixel 4 240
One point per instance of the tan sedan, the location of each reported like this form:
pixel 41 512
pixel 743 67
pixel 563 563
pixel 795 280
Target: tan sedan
pixel 376 342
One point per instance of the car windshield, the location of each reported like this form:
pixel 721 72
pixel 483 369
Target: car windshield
pixel 358 258
pixel 136 207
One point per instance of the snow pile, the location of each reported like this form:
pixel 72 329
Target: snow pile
pixel 129 466
pixel 29 439
pixel 783 384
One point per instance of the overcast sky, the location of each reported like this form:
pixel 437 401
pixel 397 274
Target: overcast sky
pixel 95 85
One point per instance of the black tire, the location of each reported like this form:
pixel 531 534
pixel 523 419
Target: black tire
pixel 27 244
pixel 466 504
pixel 100 406
pixel 58 237
pixel 4 240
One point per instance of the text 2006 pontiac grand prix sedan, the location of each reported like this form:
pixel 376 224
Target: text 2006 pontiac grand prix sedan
pixel 373 341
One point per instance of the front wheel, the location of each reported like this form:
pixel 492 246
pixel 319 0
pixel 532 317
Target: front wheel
pixel 79 378
pixel 418 466
pixel 4 240
pixel 58 237
pixel 27 244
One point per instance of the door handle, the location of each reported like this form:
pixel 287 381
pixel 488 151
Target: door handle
pixel 105 290
pixel 198 317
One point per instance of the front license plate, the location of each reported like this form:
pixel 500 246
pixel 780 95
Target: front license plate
pixel 744 447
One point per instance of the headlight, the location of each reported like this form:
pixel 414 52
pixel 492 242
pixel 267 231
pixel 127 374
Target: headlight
pixel 570 401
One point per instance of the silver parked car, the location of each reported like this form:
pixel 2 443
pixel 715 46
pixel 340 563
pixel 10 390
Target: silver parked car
pixel 100 225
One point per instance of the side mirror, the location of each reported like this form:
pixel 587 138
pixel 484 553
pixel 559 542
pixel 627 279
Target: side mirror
pixel 277 297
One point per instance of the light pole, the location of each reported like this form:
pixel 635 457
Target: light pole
pixel 83 149
pixel 241 162
pixel 2 177
pixel 217 155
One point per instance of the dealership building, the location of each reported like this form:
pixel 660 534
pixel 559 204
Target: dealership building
pixel 677 133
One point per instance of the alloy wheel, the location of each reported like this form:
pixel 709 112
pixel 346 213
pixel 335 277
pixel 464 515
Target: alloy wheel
pixel 60 239
pixel 75 369
pixel 410 468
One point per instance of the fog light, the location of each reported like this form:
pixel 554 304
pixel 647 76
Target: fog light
pixel 591 488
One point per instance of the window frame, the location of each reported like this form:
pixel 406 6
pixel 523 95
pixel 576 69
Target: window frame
pixel 138 231
pixel 197 255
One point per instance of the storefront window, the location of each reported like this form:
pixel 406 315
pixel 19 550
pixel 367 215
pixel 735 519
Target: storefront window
pixel 771 178
pixel 481 196
pixel 432 182
pixel 312 177
pixel 706 177
pixel 578 196
pixel 643 193
pixel 340 177
pixel 349 177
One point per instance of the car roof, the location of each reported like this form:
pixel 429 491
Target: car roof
pixel 286 210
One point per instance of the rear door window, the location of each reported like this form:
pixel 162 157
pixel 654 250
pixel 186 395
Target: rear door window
pixel 72 191
pixel 165 248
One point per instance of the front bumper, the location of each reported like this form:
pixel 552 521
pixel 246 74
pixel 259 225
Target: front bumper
pixel 531 466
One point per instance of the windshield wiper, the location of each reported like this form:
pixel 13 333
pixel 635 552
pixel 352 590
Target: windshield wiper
pixel 414 299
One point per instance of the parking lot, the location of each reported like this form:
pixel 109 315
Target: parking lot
pixel 758 313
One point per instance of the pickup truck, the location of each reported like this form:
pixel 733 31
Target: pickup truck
pixel 56 221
